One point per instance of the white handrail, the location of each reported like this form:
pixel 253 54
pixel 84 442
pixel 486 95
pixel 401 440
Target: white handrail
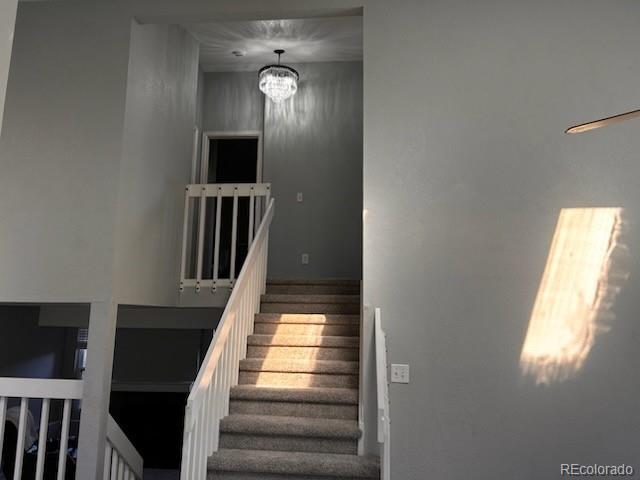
pixel 25 389
pixel 121 459
pixel 253 192
pixel 382 388
pixel 208 401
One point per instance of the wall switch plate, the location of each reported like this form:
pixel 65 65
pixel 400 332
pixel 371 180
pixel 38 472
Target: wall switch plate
pixel 399 373
pixel 299 197
pixel 305 259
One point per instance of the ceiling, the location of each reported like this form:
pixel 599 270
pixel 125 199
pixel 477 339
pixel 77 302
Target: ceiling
pixel 336 39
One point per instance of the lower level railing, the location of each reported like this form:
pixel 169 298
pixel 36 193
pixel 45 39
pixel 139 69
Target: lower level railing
pixel 382 389
pixel 208 401
pixel 52 446
pixel 121 460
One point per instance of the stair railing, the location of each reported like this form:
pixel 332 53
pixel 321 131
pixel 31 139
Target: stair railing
pixel 26 390
pixel 206 232
pixel 208 400
pixel 382 388
pixel 121 459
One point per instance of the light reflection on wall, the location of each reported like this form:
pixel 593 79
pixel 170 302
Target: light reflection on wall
pixel 583 274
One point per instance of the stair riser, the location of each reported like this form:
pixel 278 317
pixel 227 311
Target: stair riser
pixel 289 366
pixel 288 409
pixel 302 329
pixel 262 476
pixel 288 444
pixel 309 318
pixel 297 380
pixel 328 308
pixel 303 341
pixel 303 353
pixel 313 289
pixel 300 299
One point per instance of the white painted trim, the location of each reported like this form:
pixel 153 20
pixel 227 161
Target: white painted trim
pixel 195 155
pixel 384 420
pixel 40 388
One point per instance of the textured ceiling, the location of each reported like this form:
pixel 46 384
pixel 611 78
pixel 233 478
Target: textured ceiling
pixel 305 40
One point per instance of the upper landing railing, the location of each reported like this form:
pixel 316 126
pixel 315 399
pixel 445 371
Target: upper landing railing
pixel 220 221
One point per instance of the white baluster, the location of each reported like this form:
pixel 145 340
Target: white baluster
pixel 107 461
pixel 22 428
pixel 234 234
pixel 115 461
pixel 64 439
pixel 120 468
pixel 3 416
pixel 251 215
pixel 216 246
pixel 203 208
pixel 42 440
pixel 185 236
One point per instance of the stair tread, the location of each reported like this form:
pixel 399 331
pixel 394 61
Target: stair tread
pixel 309 298
pixel 308 318
pixel 290 426
pixel 285 365
pixel 294 463
pixel 303 341
pixel 344 396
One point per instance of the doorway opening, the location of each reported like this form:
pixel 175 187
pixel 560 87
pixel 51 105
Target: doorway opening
pixel 229 158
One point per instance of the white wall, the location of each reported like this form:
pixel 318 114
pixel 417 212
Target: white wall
pixel 156 163
pixel 7 23
pixel 466 168
pixel 60 151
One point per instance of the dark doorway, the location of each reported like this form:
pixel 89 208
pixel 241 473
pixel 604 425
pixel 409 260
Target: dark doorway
pixel 231 160
pixel 154 422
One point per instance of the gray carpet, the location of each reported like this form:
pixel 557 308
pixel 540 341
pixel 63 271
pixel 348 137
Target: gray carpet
pixel 293 415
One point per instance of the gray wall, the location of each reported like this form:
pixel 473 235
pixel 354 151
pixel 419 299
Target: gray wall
pixel 313 145
pixel 231 102
pixel 466 168
pixel 158 360
pixel 156 163
pixel 30 351
pixel 7 23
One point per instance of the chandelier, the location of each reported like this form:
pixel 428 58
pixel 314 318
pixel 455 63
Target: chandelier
pixel 278 82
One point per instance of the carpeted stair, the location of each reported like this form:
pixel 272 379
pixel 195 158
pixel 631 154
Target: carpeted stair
pixel 293 414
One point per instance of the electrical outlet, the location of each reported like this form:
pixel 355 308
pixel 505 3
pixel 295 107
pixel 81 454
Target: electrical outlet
pixel 305 259
pixel 299 197
pixel 399 373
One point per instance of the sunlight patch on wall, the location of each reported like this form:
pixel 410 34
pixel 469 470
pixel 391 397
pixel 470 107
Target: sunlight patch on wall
pixel 582 275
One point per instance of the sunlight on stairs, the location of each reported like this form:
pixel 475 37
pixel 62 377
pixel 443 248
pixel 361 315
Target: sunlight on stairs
pixel 294 412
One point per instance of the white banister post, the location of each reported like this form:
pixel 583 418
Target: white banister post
pixel 97 388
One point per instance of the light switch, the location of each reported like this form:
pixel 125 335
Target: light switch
pixel 399 373
pixel 305 259
pixel 299 196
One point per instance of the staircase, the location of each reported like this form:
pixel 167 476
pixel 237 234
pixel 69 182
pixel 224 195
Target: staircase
pixel 293 414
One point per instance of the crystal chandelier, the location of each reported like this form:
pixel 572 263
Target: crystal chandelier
pixel 278 82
